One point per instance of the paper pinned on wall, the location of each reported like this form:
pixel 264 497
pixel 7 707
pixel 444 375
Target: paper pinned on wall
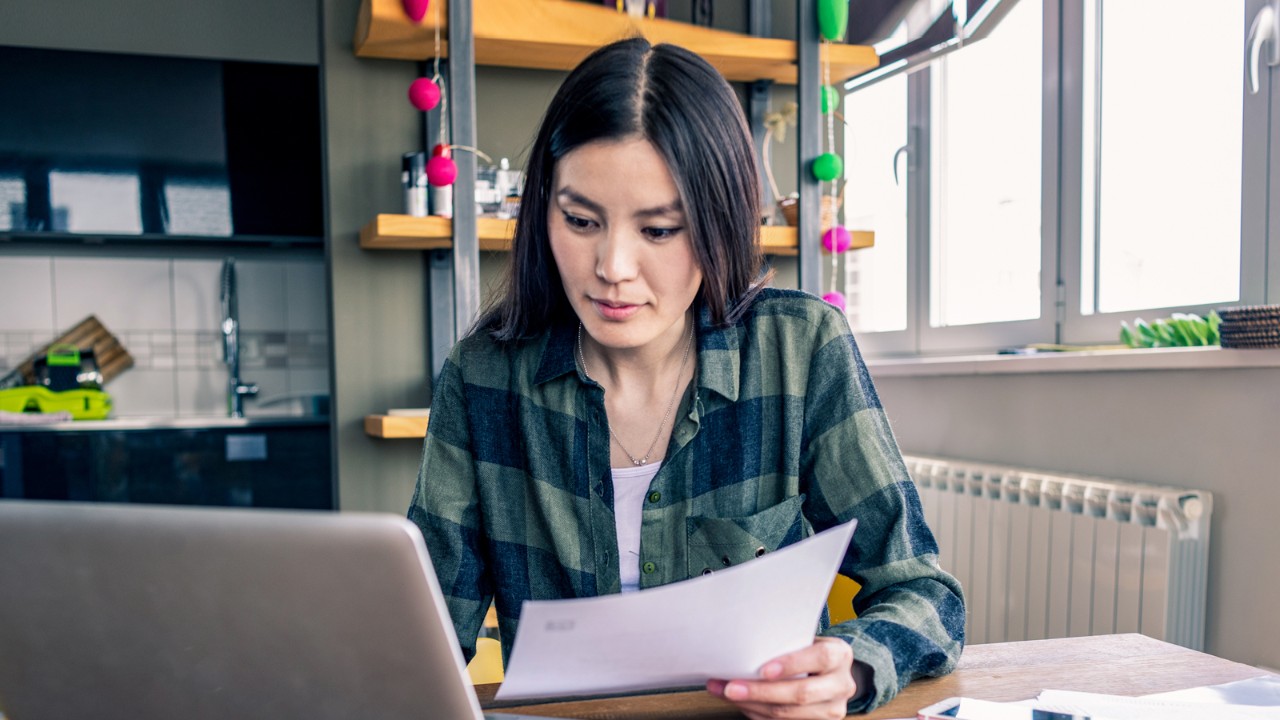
pixel 677 635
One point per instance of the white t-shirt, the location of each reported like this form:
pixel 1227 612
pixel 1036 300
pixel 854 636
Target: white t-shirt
pixel 630 486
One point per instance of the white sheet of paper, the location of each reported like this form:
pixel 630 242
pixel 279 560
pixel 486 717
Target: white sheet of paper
pixel 1262 690
pixel 723 625
pixel 1112 707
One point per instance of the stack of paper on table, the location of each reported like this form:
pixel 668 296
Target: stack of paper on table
pixel 1254 699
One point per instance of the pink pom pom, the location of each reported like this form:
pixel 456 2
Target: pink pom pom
pixel 415 9
pixel 441 171
pixel 424 94
pixel 836 240
pixel 836 299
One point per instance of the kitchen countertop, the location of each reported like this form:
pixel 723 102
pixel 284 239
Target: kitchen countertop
pixel 173 423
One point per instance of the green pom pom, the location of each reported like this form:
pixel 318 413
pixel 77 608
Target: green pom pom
pixel 830 99
pixel 828 167
pixel 833 19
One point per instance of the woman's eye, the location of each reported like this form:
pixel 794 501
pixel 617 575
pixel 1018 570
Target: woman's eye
pixel 655 233
pixel 575 222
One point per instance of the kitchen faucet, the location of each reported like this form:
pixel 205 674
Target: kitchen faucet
pixel 236 388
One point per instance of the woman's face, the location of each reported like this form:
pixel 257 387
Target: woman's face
pixel 621 241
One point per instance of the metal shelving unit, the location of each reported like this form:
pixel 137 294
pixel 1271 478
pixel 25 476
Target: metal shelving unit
pixel 555 34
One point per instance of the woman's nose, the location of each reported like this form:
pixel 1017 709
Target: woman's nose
pixel 617 261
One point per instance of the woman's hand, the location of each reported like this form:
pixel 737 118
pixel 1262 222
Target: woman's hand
pixel 815 682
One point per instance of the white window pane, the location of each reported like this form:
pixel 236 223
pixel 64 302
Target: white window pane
pixel 197 207
pixel 13 203
pixel 985 247
pixel 876 278
pixel 88 202
pixel 1163 166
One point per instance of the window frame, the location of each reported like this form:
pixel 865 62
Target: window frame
pixel 906 341
pixel 1061 223
pixel 995 335
pixel 1078 328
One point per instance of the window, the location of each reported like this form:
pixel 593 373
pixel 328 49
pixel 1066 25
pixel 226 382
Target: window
pixel 1085 163
pixel 1161 184
pixel 985 198
pixel 875 198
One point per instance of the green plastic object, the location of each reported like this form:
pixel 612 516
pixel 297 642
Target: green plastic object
pixel 833 19
pixel 830 99
pixel 82 404
pixel 828 167
pixel 63 355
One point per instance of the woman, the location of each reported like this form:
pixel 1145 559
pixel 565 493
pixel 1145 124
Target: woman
pixel 637 408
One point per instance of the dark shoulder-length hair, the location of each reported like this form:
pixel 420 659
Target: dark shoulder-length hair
pixel 686 109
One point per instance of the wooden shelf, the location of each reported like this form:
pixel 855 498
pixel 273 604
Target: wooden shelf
pixel 406 232
pixel 558 34
pixel 395 426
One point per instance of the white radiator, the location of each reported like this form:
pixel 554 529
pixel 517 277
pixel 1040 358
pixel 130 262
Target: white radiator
pixel 1051 555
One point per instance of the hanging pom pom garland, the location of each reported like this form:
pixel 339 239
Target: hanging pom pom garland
pixel 828 167
pixel 415 9
pixel 833 20
pixel 830 99
pixel 441 169
pixel 424 94
pixel 836 239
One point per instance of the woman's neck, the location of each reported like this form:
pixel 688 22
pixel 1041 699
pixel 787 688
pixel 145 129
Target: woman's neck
pixel 646 368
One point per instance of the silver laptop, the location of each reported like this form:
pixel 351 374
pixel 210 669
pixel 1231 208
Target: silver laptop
pixel 143 612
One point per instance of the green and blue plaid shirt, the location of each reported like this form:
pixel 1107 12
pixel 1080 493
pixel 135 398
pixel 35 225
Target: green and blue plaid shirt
pixel 781 436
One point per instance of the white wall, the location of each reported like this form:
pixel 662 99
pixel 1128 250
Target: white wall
pixel 1213 429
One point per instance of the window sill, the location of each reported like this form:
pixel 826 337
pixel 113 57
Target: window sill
pixel 1070 362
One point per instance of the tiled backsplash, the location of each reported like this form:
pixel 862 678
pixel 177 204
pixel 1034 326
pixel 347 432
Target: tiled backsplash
pixel 167 312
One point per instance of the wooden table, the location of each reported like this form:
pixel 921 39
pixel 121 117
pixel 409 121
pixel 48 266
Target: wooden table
pixel 1111 664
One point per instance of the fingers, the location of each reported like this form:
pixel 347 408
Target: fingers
pixel 760 711
pixel 815 682
pixel 824 655
pixel 811 690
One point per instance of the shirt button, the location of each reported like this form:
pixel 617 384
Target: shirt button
pixel 649 567
pixel 655 496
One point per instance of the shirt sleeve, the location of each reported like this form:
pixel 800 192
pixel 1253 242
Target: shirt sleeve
pixel 910 613
pixel 445 506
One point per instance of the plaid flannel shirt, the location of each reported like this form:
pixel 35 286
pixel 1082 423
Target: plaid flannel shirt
pixel 781 436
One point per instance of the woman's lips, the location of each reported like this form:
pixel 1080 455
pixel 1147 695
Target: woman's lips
pixel 614 311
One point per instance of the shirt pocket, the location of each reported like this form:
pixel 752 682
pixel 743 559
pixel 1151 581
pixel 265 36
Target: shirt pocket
pixel 717 543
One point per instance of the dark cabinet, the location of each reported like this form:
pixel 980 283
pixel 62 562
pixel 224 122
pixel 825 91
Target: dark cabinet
pixel 275 466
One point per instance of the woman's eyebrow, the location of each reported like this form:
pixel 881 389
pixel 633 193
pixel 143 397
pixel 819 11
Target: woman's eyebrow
pixel 577 198
pixel 675 207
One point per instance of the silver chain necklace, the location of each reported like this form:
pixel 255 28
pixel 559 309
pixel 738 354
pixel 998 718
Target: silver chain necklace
pixel 670 405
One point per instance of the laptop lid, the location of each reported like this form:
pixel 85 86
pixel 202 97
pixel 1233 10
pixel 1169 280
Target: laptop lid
pixel 140 612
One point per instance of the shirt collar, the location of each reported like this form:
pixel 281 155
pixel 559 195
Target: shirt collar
pixel 558 352
pixel 717 354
